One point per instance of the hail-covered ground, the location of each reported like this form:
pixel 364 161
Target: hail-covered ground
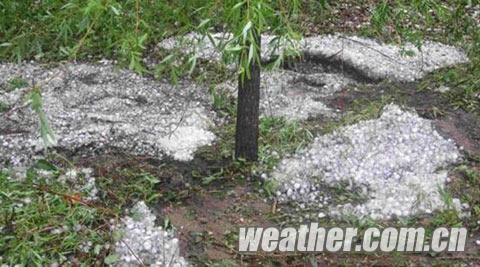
pixel 379 61
pixel 367 57
pixel 94 107
pixel 331 63
pixel 396 163
pixel 294 95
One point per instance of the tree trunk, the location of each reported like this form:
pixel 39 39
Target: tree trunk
pixel 248 104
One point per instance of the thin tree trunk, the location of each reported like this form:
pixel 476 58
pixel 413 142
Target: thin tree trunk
pixel 246 135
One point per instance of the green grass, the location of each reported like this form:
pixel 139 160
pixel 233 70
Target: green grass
pixel 16 83
pixel 45 221
pixel 467 188
pixel 3 107
pixel 278 137
pixel 58 30
pixel 40 227
pixel 359 110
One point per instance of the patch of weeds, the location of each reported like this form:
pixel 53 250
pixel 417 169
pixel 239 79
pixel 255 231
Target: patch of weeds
pixel 191 214
pixel 414 21
pixel 88 29
pixel 172 65
pixel 467 186
pixel 16 83
pixel 203 238
pixel 445 196
pixel 446 218
pixel 279 137
pixel 470 174
pixel 361 223
pixel 342 193
pixel 44 222
pixel 223 102
pixel 245 211
pixel 360 110
pixel 3 107
pixel 213 177
pixel 464 85
pixel 230 239
pixel 451 23
pixel 211 73
pixel 130 185
pixel 167 224
pixel 270 187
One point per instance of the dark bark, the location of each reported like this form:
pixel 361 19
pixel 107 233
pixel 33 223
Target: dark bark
pixel 248 104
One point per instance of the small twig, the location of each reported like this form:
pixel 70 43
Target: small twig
pixel 182 117
pixel 133 253
pixel 64 159
pixel 374 49
pixel 137 15
pixel 65 196
pixel 274 206
pixel 170 262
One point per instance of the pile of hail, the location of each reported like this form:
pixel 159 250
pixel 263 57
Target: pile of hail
pixel 144 244
pixel 396 162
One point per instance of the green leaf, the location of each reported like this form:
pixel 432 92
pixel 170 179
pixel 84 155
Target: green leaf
pixel 97 249
pixel 35 101
pixel 235 48
pixel 42 164
pixel 251 53
pixel 142 40
pixel 193 62
pixel 111 259
pixel 237 6
pixel 246 29
pixel 115 10
pixel 117 235
pixel 151 179
pixel 209 179
pixel 203 23
pixel 166 59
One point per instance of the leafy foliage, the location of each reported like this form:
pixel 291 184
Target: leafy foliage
pixel 39 226
pixel 56 30
pixel 35 101
pixel 45 220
